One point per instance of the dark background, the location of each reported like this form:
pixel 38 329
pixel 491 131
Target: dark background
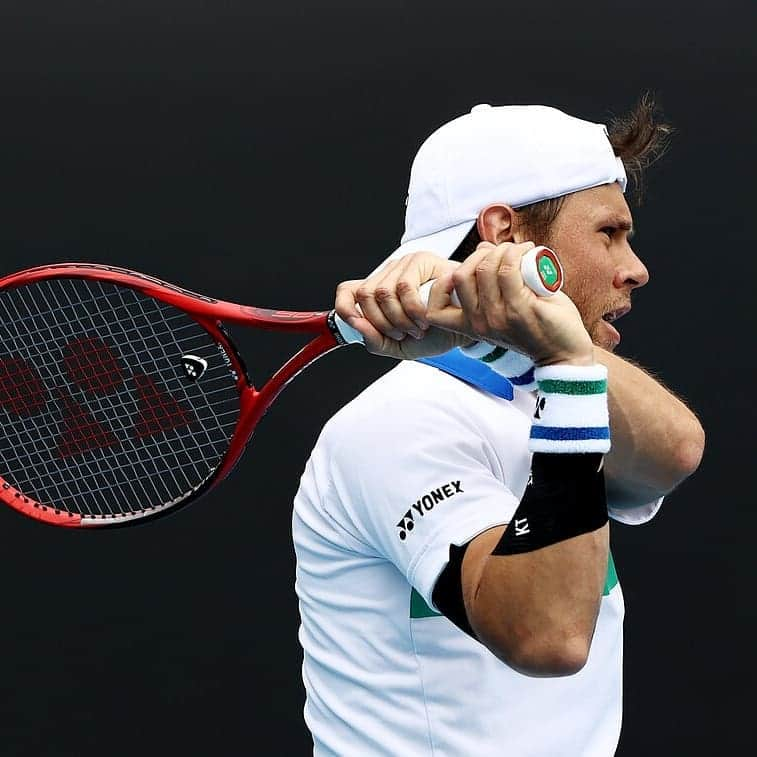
pixel 261 154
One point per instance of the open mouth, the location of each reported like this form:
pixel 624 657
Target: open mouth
pixel 613 315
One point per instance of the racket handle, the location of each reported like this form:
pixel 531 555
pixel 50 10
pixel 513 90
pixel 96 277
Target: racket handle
pixel 542 272
pixel 540 268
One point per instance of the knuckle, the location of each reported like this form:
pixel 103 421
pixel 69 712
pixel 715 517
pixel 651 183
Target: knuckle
pixel 363 293
pixel 344 286
pixel 383 294
pixel 484 267
pixel 507 264
pixel 458 276
pixel 470 262
pixel 404 287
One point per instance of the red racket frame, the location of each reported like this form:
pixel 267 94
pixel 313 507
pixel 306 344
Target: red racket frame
pixel 210 313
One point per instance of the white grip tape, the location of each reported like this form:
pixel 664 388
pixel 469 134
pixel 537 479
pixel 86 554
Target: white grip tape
pixel 350 335
pixel 425 292
pixel 529 269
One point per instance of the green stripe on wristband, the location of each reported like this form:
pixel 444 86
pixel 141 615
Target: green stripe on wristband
pixel 558 386
pixel 495 354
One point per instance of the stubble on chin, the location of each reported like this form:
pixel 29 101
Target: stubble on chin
pixel 598 338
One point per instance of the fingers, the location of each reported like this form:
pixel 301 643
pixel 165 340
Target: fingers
pixel 488 280
pixel 441 313
pixel 392 294
pixel 389 299
pixel 464 279
pixel 345 302
pixel 510 279
pixel 388 302
pixel 346 306
pixel 488 284
pixel 496 306
pixel 357 302
pixel 435 341
pixel 416 270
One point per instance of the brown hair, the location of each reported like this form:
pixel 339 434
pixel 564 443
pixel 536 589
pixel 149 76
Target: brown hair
pixel 638 138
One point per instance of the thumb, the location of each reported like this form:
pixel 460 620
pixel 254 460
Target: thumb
pixel 440 311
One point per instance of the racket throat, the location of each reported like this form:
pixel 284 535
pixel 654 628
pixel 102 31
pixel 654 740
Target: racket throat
pixel 252 407
pixel 254 403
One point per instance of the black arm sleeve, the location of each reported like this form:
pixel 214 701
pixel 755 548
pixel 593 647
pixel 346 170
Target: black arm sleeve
pixel 565 498
pixel 448 591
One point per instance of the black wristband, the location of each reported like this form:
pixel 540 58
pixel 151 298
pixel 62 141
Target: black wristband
pixel 565 497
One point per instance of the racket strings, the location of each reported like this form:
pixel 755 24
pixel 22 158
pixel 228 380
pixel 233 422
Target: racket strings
pixel 107 507
pixel 100 418
pixel 79 490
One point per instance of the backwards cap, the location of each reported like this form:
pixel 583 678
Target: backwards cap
pixel 511 154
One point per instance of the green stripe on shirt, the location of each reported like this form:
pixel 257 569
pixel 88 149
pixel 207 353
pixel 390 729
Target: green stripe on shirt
pixel 419 608
pixel 611 581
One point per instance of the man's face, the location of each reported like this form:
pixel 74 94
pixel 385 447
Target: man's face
pixel 591 235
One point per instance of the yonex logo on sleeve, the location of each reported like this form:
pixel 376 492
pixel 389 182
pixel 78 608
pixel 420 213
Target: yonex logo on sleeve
pixel 424 505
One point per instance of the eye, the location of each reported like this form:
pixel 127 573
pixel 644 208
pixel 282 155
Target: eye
pixel 609 230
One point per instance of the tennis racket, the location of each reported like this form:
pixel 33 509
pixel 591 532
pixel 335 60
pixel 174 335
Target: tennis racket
pixel 123 397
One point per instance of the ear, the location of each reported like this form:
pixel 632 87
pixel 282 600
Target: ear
pixel 497 223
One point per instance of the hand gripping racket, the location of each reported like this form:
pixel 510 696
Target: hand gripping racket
pixel 122 397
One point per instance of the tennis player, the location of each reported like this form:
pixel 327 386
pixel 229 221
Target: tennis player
pixel 457 591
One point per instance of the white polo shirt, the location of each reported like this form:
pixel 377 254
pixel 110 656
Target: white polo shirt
pixel 418 461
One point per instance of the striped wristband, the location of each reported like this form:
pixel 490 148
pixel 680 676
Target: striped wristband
pixel 517 368
pixel 571 412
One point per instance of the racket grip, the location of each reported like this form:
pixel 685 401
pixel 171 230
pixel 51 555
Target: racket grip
pixel 540 268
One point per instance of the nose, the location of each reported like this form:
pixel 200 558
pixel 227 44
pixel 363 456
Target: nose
pixel 631 272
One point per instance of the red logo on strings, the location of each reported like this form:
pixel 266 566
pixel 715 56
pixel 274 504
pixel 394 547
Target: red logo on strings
pixel 21 389
pixel 91 365
pixel 159 411
pixel 83 432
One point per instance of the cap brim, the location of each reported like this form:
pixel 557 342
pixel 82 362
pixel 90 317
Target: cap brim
pixel 443 243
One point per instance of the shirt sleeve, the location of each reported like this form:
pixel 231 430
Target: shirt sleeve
pixel 416 483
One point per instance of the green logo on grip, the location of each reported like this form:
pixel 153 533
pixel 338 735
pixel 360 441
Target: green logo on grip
pixel 547 271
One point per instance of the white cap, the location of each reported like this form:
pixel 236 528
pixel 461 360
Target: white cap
pixel 511 154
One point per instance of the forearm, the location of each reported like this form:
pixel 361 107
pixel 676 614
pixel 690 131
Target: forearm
pixel 657 441
pixel 536 600
pixel 546 601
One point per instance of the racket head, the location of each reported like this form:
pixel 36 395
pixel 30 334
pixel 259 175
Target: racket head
pixel 122 397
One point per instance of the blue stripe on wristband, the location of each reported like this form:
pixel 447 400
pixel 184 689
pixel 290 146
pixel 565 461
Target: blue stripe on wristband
pixel 569 434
